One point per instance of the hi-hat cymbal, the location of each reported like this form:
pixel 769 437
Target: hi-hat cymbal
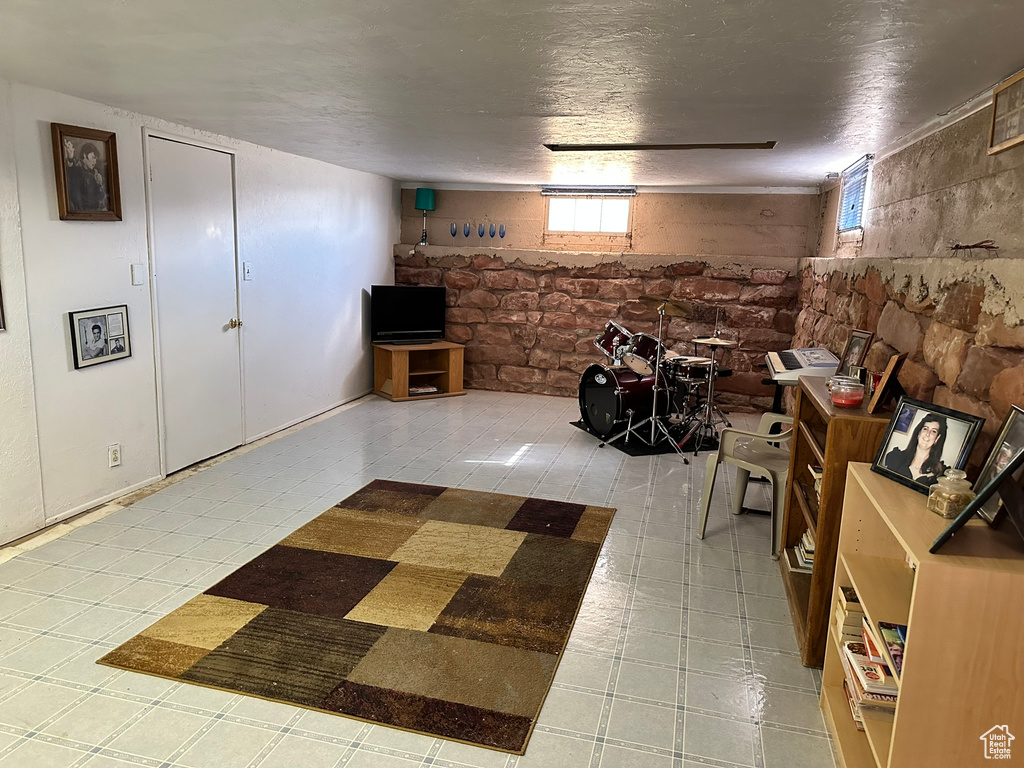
pixel 672 307
pixel 714 341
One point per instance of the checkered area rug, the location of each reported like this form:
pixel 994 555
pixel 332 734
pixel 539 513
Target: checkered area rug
pixel 435 610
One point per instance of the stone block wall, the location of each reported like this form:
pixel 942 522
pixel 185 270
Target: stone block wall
pixel 529 318
pixel 961 351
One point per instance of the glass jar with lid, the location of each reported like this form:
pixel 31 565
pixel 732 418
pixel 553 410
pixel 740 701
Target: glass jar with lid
pixel 948 497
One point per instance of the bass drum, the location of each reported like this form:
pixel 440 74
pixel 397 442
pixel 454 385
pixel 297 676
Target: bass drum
pixel 608 394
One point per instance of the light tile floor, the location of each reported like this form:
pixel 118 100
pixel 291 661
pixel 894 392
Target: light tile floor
pixel 683 654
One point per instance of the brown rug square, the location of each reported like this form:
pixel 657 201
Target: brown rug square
pixel 435 610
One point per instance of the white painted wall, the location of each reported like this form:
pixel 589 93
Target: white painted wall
pixel 313 235
pixel 316 234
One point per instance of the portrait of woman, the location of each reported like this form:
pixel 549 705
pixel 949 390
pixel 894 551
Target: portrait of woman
pixel 923 441
pixel 921 461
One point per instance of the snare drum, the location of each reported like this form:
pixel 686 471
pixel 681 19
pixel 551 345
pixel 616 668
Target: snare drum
pixel 608 395
pixel 689 369
pixel 613 340
pixel 643 352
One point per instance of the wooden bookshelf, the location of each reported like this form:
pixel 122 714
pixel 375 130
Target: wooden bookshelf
pixel 830 438
pixel 964 658
pixel 437 363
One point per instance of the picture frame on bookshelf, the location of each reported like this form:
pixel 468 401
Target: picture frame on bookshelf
pixel 1009 443
pixel 938 439
pixel 1005 483
pixel 889 385
pixel 855 352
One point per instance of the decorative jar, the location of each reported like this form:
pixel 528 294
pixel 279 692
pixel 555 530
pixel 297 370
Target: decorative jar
pixel 948 497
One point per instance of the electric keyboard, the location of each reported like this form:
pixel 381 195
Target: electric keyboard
pixel 789 364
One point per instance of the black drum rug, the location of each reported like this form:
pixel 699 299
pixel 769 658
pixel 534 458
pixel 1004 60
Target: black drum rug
pixel 435 610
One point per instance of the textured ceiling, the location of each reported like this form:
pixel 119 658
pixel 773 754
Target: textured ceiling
pixel 467 91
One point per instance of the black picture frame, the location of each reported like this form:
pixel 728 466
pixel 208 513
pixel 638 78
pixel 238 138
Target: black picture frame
pixel 99 335
pixel 956 433
pixel 1008 444
pixel 855 351
pixel 1002 483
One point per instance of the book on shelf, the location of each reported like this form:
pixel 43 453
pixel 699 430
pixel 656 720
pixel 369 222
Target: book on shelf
pixel 872 642
pixel 894 640
pixel 807 542
pixel 805 560
pixel 425 389
pixel 854 709
pixel 817 473
pixel 847 626
pixel 885 702
pixel 794 562
pixel 848 595
pixel 873 678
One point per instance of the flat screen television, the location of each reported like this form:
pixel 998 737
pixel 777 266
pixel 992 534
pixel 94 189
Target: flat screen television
pixel 406 313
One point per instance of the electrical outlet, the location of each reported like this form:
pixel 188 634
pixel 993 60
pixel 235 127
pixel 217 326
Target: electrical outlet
pixel 114 455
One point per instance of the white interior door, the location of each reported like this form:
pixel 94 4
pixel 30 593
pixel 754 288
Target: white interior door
pixel 194 276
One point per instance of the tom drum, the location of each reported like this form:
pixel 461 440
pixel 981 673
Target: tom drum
pixel 613 340
pixel 642 355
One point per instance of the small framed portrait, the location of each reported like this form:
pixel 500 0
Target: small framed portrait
pixel 85 166
pixel 889 385
pixel 99 335
pixel 855 352
pixel 1008 445
pixel 936 439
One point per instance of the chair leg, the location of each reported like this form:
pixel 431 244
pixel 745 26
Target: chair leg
pixel 742 478
pixel 778 507
pixel 709 487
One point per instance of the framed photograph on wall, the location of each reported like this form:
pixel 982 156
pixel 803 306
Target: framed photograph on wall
pixel 1008 445
pixel 1007 114
pixel 85 167
pixel 856 350
pixel 99 335
pixel 936 439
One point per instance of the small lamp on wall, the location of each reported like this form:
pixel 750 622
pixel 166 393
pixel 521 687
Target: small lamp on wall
pixel 424 202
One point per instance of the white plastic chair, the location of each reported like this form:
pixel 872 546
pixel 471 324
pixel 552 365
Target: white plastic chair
pixel 760 452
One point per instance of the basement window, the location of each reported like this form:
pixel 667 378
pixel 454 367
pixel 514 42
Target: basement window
pixel 591 218
pixel 852 195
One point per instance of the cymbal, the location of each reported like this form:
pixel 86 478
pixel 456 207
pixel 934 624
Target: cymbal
pixel 672 307
pixel 714 341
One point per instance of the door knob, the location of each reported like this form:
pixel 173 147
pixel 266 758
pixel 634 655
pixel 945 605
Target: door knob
pixel 234 323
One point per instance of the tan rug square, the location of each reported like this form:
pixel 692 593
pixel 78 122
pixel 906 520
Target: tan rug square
pixel 157 657
pixel 204 621
pixel 593 524
pixel 476 507
pixel 458 547
pixel 494 677
pixel 410 597
pixel 373 534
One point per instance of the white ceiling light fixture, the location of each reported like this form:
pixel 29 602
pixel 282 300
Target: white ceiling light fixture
pixel 657 147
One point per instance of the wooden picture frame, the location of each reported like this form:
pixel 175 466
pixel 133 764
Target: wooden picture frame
pixel 1007 128
pixel 855 351
pixel 889 385
pixel 99 335
pixel 85 168
pixel 1008 445
pixel 943 435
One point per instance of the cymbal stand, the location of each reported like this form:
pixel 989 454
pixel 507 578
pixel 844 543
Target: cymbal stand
pixel 709 416
pixel 659 431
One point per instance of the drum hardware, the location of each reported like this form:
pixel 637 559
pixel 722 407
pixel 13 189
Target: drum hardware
pixel 638 355
pixel 708 415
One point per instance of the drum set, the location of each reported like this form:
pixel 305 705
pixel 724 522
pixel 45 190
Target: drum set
pixel 650 392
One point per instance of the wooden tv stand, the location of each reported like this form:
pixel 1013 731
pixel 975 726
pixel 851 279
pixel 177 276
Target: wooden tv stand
pixel 434 363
